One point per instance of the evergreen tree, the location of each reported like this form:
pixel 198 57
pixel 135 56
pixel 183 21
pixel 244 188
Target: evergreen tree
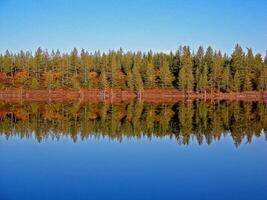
pixel 248 75
pixel 166 76
pixel 237 64
pixel 113 70
pixel 259 72
pixel 226 79
pixel 216 71
pixel 209 60
pixel 203 80
pixel 199 74
pixel 74 62
pixel 185 72
pixel 149 79
pixel 137 79
pixel 38 63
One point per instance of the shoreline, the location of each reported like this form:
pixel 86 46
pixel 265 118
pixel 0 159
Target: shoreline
pixel 116 95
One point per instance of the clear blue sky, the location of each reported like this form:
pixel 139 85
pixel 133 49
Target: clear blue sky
pixel 132 25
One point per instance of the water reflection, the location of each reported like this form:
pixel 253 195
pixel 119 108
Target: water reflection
pixel 205 121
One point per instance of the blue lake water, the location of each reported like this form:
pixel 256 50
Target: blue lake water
pixel 132 169
pixel 128 166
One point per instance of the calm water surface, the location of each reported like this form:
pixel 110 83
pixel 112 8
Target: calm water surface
pixel 187 150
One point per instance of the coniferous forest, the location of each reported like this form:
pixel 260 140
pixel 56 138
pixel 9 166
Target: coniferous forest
pixel 206 70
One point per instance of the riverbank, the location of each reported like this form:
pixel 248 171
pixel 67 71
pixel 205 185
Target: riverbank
pixel 113 95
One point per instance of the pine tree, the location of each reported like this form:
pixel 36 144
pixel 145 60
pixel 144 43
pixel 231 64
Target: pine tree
pixel 259 72
pixel 85 68
pixel 137 79
pixel 166 76
pixel 103 84
pixel 237 81
pixel 113 70
pixel 74 62
pixel 209 60
pixel 248 66
pixel 198 69
pixel 237 65
pixel 203 80
pixel 185 73
pixel 216 71
pixel 149 79
pixel 176 62
pixel 37 63
pixel 226 78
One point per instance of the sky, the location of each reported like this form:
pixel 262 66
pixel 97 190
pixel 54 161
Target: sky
pixel 132 25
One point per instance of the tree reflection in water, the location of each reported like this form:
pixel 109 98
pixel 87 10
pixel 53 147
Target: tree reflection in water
pixel 205 121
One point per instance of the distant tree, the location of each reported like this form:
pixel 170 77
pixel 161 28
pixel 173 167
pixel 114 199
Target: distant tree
pixel 113 67
pixel 103 79
pixel 226 79
pixel 166 76
pixel 248 70
pixel 216 71
pixel 209 61
pixel 259 72
pixel 185 73
pixel 237 64
pixel 200 74
pixel 85 68
pixel 137 79
pixel 203 80
pixel 149 79
pixel 74 62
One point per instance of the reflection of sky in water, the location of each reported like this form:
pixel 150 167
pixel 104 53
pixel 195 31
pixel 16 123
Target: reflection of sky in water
pixel 132 169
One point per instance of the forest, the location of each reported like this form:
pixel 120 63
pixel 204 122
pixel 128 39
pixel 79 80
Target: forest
pixel 205 70
pixel 184 120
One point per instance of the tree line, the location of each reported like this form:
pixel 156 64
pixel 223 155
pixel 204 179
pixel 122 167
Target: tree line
pixel 202 121
pixel 205 70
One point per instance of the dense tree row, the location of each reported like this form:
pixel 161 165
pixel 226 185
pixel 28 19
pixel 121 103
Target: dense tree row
pixel 203 121
pixel 201 71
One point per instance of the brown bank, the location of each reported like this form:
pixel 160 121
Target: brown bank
pixel 113 95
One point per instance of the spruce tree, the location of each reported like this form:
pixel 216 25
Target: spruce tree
pixel 248 73
pixel 226 79
pixel 203 80
pixel 103 83
pixel 237 65
pixel 198 69
pixel 209 60
pixel 216 71
pixel 74 62
pixel 166 76
pixel 185 81
pixel 149 72
pixel 137 79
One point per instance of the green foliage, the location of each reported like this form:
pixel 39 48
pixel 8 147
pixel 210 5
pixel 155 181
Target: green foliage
pixel 103 84
pixel 166 76
pixel 205 71
pixel 137 79
pixel 149 79
pixel 185 80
